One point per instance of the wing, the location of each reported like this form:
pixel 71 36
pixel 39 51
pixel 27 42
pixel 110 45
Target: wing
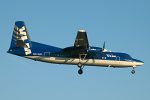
pixel 81 39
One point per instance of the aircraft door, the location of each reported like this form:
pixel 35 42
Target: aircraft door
pixel 46 53
pixel 117 62
pixel 118 58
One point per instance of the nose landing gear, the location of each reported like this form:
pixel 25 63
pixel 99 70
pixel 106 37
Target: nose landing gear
pixel 133 71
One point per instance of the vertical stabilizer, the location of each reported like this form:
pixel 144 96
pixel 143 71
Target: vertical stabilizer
pixel 20 38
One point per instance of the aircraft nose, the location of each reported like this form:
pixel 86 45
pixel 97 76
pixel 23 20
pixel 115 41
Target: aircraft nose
pixel 141 63
pixel 138 62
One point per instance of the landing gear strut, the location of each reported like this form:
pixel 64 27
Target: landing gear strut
pixel 79 65
pixel 133 71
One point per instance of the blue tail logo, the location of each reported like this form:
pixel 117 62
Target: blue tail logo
pixel 20 38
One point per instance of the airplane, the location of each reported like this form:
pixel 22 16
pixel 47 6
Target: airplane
pixel 81 54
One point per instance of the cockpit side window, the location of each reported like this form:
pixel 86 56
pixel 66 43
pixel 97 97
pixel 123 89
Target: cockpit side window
pixel 127 56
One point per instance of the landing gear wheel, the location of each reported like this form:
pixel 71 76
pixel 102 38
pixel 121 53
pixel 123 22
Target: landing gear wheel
pixel 133 71
pixel 80 71
pixel 79 65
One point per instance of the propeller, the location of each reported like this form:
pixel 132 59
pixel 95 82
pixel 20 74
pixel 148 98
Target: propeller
pixel 103 47
pixel 103 50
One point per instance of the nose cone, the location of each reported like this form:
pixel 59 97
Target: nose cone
pixel 138 62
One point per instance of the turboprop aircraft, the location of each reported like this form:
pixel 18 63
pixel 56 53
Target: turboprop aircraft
pixel 81 54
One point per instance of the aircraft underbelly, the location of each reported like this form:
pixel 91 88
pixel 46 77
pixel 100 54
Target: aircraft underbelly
pixel 126 63
pixel 75 61
pixel 63 60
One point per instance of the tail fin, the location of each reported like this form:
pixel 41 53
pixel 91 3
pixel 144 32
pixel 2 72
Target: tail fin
pixel 20 38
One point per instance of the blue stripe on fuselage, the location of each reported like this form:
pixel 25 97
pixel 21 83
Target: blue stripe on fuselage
pixel 39 50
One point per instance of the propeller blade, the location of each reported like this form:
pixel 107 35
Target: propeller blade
pixel 103 46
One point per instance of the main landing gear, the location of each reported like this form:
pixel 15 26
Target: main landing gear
pixel 80 71
pixel 133 71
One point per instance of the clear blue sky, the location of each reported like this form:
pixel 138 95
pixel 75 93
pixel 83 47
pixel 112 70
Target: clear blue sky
pixel 123 25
